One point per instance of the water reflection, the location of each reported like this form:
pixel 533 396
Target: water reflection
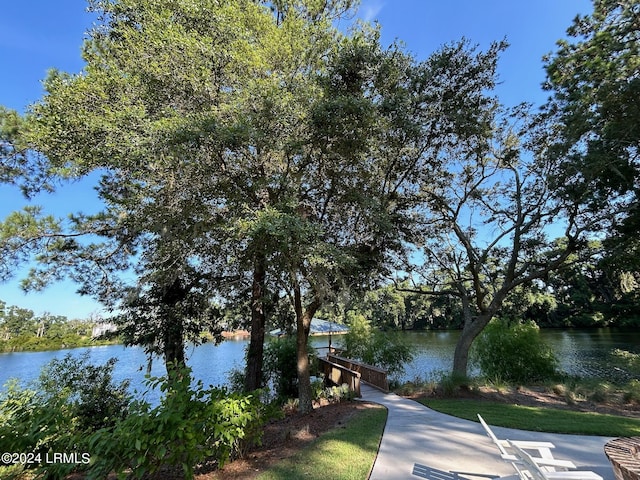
pixel 588 353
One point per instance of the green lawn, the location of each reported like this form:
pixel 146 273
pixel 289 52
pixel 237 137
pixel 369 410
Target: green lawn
pixel 538 419
pixel 345 453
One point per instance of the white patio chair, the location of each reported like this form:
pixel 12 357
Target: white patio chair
pixel 543 449
pixel 529 469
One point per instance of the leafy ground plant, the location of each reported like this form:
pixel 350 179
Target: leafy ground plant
pixel 190 425
pixel 71 399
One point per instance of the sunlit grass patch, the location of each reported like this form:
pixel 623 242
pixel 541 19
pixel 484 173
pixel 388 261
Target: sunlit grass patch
pixel 345 453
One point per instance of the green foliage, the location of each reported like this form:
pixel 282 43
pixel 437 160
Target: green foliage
pixel 577 389
pixel 452 383
pixel 374 347
pixel 419 385
pixel 97 401
pixel 31 422
pixel 593 77
pixel 627 360
pixel 530 302
pixel 356 340
pixel 337 393
pixel 191 424
pixel 22 330
pixel 280 365
pixel 71 399
pixel 513 352
pixel 386 307
pixel 632 392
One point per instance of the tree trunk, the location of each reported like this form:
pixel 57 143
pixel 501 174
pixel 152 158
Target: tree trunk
pixel 305 396
pixel 173 338
pixel 473 326
pixel 255 352
pixel 174 357
pixel 303 323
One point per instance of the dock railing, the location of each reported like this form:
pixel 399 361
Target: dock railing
pixel 339 374
pixel 374 376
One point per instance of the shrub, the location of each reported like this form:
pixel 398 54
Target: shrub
pixel 514 352
pixel 626 360
pixel 96 400
pixel 191 424
pixel 337 394
pixel 281 365
pixel 32 422
pixel 375 347
pixel 452 383
pixel 632 392
pixel 70 399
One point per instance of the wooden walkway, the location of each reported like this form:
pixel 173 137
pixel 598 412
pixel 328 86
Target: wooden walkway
pixel 338 370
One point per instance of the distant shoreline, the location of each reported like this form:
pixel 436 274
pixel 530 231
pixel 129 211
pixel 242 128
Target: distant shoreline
pixel 236 334
pixel 47 347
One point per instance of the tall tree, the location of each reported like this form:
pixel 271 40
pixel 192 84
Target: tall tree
pixel 594 79
pixel 209 153
pixel 489 209
pixel 151 112
pixel 327 217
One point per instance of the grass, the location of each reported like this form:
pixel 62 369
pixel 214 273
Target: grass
pixel 538 419
pixel 341 454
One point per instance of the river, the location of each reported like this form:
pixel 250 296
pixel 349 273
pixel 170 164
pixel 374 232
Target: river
pixel 580 352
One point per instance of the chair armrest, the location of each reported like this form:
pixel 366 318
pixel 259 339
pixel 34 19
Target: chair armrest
pixel 573 475
pixel 542 461
pixel 543 448
pixel 530 444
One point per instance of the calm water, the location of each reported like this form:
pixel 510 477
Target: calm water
pixel 581 352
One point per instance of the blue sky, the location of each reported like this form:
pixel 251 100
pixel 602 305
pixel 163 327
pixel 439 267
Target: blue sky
pixel 36 35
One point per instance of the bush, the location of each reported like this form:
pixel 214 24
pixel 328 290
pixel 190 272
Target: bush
pixel 337 394
pixel 451 384
pixel 632 392
pixel 96 400
pixel 32 422
pixel 376 348
pixel 281 365
pixel 514 352
pixel 71 399
pixel 630 362
pixel 190 425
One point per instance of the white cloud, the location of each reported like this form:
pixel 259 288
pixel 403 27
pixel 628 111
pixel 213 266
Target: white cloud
pixel 369 9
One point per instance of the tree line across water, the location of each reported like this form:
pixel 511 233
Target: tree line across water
pixel 22 330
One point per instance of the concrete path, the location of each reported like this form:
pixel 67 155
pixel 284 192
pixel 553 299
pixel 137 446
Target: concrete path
pixel 420 442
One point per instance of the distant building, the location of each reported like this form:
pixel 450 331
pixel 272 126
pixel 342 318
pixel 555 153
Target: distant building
pixel 319 327
pixel 102 328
